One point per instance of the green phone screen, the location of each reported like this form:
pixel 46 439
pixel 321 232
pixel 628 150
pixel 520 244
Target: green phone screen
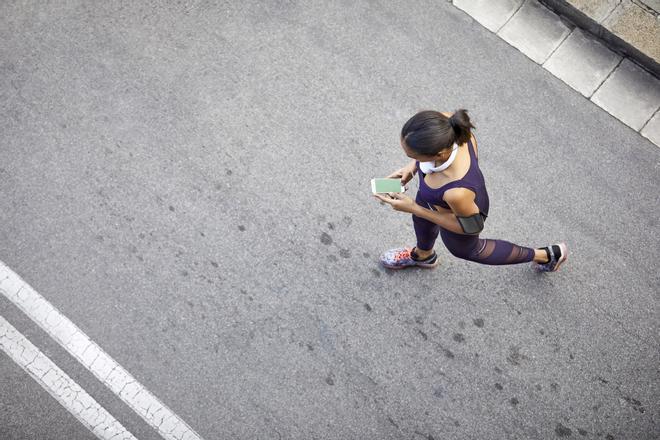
pixel 386 186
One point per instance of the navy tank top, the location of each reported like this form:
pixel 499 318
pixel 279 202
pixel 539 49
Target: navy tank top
pixel 473 180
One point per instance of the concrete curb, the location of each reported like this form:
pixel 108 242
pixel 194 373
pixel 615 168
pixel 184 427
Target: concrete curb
pixel 610 80
pixel 582 20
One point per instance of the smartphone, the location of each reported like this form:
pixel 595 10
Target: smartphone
pixel 379 186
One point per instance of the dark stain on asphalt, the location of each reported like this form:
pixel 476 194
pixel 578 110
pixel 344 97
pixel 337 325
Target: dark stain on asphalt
pixel 609 437
pixel 498 386
pixel 514 401
pixel 331 226
pixel 310 347
pixel 419 320
pixel 171 208
pixel 424 335
pixel 541 332
pixel 214 264
pixel 479 322
pixel 345 253
pixel 458 337
pixel 389 419
pixel 426 436
pixel 347 220
pixel 637 405
pixel 141 235
pixel 333 258
pixel 326 239
pixel 330 380
pixel 376 272
pixel 367 307
pixel 366 254
pixel 497 370
pixel 202 234
pixel 448 353
pixel 514 356
pixel 562 431
pixel 600 378
pixel 538 387
pixel 554 387
pixel 184 273
pixel 229 172
pixel 241 228
pixel 582 432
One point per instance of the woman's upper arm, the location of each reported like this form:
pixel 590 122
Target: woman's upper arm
pixel 461 201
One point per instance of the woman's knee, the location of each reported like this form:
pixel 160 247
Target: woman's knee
pixel 463 246
pixel 462 253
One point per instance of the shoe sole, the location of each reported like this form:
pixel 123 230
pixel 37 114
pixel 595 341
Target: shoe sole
pixel 422 265
pixel 564 255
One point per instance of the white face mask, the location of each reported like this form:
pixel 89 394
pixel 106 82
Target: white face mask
pixel 429 167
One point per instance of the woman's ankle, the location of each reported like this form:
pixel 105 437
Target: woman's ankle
pixel 421 254
pixel 541 256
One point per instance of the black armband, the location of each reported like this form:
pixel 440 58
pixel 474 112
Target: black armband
pixel 473 224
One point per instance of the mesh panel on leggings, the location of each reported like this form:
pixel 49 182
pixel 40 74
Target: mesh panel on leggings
pixel 501 252
pixel 487 247
pixel 517 254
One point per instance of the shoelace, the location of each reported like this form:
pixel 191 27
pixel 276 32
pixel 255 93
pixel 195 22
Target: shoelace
pixel 401 255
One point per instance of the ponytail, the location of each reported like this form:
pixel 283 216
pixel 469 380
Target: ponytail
pixel 460 123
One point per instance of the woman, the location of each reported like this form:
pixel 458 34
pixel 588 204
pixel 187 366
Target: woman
pixel 452 199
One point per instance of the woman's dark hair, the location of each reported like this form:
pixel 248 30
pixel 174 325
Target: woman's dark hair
pixel 429 132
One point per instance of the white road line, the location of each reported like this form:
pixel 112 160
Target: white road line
pixel 81 347
pixel 60 385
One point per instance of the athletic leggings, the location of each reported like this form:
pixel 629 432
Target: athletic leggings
pixel 471 247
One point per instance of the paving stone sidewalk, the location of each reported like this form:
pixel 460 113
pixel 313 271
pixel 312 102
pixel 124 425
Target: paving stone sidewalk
pixel 608 56
pixel 630 27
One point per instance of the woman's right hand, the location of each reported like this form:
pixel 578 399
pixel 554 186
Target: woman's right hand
pixel 405 174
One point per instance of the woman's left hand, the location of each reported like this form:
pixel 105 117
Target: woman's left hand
pixel 398 201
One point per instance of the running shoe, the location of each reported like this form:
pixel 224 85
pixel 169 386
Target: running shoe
pixel 558 254
pixel 401 258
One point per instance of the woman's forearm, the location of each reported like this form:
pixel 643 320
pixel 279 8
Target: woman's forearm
pixel 446 220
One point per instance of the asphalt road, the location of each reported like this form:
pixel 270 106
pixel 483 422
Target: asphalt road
pixel 189 184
